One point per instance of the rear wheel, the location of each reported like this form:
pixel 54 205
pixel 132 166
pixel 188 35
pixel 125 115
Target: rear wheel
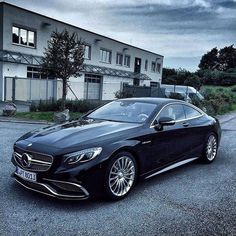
pixel 120 176
pixel 210 150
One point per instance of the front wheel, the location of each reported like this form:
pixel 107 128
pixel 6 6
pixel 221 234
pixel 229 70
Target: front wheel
pixel 120 176
pixel 210 149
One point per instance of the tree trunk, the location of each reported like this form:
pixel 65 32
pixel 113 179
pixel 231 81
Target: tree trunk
pixel 64 92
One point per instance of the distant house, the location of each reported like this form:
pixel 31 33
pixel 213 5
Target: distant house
pixel 108 63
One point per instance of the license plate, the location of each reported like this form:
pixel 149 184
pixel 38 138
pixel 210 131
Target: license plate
pixel 27 175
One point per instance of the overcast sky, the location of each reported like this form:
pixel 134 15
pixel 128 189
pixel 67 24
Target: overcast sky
pixel 181 30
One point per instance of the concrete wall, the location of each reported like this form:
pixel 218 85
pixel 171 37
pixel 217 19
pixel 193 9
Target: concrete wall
pixel 1 46
pixel 12 70
pixel 1 83
pixel 77 86
pixel 32 89
pixel 111 85
pixel 17 16
pixel 1 26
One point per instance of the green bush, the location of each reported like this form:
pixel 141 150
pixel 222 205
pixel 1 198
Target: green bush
pixel 81 106
pixel 233 89
pixel 217 101
pixel 216 77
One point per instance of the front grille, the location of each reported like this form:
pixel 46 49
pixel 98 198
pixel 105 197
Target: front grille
pixel 32 160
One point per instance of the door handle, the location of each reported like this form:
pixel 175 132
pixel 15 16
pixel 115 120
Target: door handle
pixel 185 124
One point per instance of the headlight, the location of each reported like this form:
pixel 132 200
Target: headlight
pixel 82 156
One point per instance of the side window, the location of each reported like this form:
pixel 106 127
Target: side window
pixel 175 112
pixel 191 112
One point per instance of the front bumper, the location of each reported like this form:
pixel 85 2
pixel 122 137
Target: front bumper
pixel 55 188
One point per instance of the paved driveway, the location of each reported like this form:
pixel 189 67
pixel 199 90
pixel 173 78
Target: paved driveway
pixel 194 199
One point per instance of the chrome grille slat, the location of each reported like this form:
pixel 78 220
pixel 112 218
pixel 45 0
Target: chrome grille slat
pixel 38 161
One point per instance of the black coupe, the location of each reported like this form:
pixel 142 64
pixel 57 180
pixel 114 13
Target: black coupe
pixel 107 150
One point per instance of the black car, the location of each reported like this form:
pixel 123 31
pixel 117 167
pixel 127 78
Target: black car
pixel 106 151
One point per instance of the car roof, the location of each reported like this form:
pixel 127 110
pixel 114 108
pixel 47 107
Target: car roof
pixel 158 101
pixel 179 88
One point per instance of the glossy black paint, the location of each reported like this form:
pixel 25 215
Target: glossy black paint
pixel 152 148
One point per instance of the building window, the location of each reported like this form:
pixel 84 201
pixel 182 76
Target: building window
pixel 35 73
pixel 127 61
pixel 105 56
pixel 136 82
pixel 23 37
pixel 146 65
pixel 87 52
pixel 119 59
pixel 158 67
pixel 153 66
pixel 153 84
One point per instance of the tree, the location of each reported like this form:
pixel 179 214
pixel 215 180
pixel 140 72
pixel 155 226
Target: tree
pixel 227 58
pixel 63 58
pixel 222 59
pixel 209 60
pixel 167 72
pixel 193 81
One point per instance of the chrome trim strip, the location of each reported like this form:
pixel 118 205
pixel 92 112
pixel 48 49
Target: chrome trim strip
pixel 146 142
pixel 178 103
pixel 172 167
pixel 53 193
pixel 71 183
pixel 43 163
pixel 35 190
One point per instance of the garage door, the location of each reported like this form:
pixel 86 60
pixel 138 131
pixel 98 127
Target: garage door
pixel 92 87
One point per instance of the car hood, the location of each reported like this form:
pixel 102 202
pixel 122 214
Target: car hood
pixel 77 133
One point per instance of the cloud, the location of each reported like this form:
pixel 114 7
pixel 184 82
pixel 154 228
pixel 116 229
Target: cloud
pixel 172 28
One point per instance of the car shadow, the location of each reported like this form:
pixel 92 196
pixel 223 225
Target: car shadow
pixel 99 202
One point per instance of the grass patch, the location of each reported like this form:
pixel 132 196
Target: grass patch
pixel 44 116
pixel 219 88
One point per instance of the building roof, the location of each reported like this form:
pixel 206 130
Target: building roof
pixel 79 28
pixel 99 70
pixel 22 58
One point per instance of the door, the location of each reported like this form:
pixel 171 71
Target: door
pixel 199 128
pixel 92 87
pixel 171 143
pixel 137 65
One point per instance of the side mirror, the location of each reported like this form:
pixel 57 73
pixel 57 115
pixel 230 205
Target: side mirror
pixel 164 121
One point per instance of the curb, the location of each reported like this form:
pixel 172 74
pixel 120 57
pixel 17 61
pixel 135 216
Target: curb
pixel 26 121
pixel 226 117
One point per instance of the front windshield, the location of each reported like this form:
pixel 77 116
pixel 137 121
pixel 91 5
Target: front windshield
pixel 124 111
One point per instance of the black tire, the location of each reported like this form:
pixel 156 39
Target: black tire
pixel 121 177
pixel 210 149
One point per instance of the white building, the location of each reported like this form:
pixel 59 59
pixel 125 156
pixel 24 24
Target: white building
pixel 108 63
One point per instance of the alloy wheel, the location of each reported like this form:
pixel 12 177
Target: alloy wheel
pixel 211 148
pixel 122 176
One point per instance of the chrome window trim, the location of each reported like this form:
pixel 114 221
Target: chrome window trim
pixel 178 103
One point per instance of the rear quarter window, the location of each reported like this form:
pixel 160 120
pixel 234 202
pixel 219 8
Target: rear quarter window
pixel 191 112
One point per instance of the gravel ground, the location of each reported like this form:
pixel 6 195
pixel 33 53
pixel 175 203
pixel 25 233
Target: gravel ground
pixel 194 199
